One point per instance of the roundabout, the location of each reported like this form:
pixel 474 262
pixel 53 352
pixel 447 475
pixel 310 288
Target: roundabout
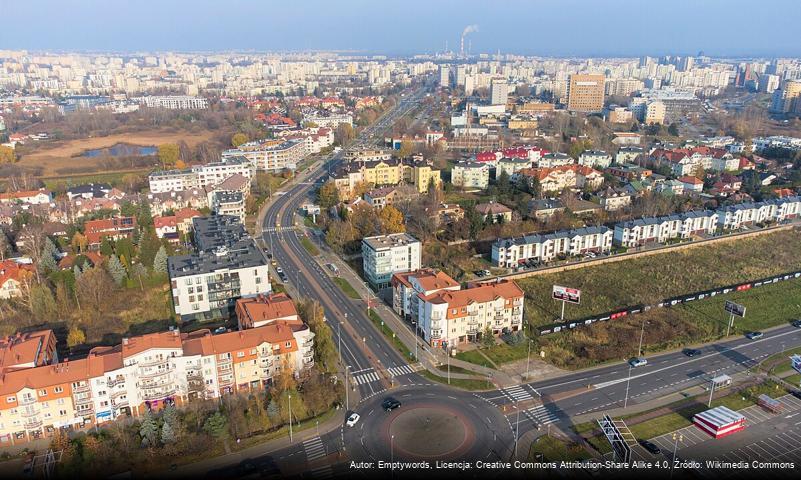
pixel 433 423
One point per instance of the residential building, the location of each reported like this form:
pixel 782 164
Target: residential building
pixel 595 159
pixel 450 318
pixel 545 208
pixel 172 227
pixel 691 184
pixel 510 252
pixel 554 180
pixel 470 175
pixel 30 197
pixel 89 190
pixel 200 176
pixel 13 276
pixel 413 171
pixel 786 98
pixel 585 93
pixel 228 203
pixel 261 310
pixel 385 255
pixel 641 231
pixel 175 102
pixel 627 172
pixel 493 212
pixel 408 287
pixel 555 159
pixel 620 115
pixel 112 228
pixel 628 154
pixel 271 155
pixel 613 199
pixel 226 265
pixel 499 92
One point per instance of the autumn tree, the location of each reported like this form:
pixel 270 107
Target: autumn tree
pixel 391 220
pixel 79 243
pixel 238 139
pixel 344 133
pixel 168 154
pixel 93 289
pixel 406 149
pixel 339 235
pixel 328 195
pixel 7 154
pixel 75 337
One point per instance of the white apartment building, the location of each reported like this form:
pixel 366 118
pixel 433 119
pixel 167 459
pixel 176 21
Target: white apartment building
pixel 329 121
pixel 227 265
pixel 470 175
pixel 175 102
pixel 448 318
pixel 510 252
pixel 270 156
pixel 641 231
pixel 385 255
pixel 595 158
pixel 200 176
pixel 408 287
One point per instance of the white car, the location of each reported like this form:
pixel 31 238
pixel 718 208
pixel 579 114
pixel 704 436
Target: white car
pixel 353 419
pixel 638 362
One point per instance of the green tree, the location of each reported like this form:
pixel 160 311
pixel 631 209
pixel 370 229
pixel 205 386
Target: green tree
pixel 49 251
pixel 238 139
pixel 273 411
pixel 487 339
pixel 43 305
pixel 106 247
pixel 216 425
pixel 116 269
pixel 325 352
pixel 77 272
pixel 168 154
pixel 149 431
pixel 328 195
pixel 149 246
pixel 160 261
pixel 168 434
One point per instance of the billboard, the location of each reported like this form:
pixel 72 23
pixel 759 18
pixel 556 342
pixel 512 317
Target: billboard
pixel 570 295
pixel 734 308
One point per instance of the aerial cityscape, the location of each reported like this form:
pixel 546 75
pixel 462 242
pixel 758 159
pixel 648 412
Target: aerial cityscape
pixel 384 240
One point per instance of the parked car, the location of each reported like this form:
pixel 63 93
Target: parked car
pixel 796 394
pixel 692 352
pixel 754 335
pixel 650 447
pixel 220 330
pixel 353 419
pixel 638 362
pixel 279 270
pixel 796 323
pixel 390 404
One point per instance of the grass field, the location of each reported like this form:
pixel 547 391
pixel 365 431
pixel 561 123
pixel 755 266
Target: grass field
pixel 463 383
pixel 648 280
pixel 346 287
pixel 552 449
pixel 665 328
pixel 54 157
pixel 390 335
pixel 309 246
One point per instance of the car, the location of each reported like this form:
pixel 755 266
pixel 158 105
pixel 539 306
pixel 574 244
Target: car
pixel 220 330
pixel 754 335
pixel 638 362
pixel 283 277
pixel 650 447
pixel 692 352
pixel 353 419
pixel 390 404
pixel 796 323
pixel 796 394
pixel 279 270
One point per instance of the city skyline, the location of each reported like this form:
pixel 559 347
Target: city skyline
pixel 359 26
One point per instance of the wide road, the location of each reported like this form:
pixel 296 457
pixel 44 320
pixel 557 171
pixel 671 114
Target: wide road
pixel 374 363
pixel 605 388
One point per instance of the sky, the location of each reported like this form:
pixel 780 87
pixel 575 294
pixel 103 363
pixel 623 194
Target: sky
pixel 530 27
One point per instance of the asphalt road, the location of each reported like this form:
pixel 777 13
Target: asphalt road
pixel 604 388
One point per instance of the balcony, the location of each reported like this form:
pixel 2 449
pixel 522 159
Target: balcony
pixel 32 424
pixel 117 393
pixel 151 363
pixel 308 344
pixel 225 369
pixel 308 353
pixel 265 363
pixel 81 388
pixel 30 413
pixel 27 401
pixel 119 403
pixel 83 399
pixel 155 373
pixel 116 381
pixel 159 394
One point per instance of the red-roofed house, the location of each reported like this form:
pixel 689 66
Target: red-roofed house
pixel 407 285
pixel 692 184
pixel 254 312
pixel 112 228
pixel 12 277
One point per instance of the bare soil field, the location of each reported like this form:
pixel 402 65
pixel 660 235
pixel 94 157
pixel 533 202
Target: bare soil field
pixel 62 157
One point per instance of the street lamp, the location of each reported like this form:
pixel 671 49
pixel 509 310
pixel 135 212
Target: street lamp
pixel 676 439
pixel 517 425
pixel 628 380
pixel 415 340
pixel 392 452
pixel 289 399
pixel 347 387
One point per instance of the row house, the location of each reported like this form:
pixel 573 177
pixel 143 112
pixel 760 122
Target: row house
pixel 448 318
pixel 511 252
pixel 744 214
pixel 685 161
pixel 407 287
pixel 194 198
pixel 641 231
pixel 313 139
pixel 145 373
pixel 31 197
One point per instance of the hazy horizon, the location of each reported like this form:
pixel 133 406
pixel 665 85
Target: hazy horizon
pixel 621 28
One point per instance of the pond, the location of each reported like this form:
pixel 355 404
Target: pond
pixel 121 150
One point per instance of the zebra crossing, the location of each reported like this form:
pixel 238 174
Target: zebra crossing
pixel 324 471
pixel 541 415
pixel 366 378
pixel 517 393
pixel 401 370
pixel 277 229
pixel 314 449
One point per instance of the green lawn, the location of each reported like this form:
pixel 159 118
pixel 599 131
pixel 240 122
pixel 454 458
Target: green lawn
pixel 551 449
pixel 498 354
pixel 346 287
pixel 794 380
pixel 463 383
pixel 780 363
pixel 390 335
pixel 309 246
pixel 473 356
pixel 455 369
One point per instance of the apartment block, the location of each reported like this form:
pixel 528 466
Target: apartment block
pixel 226 265
pixel 271 155
pixel 408 287
pixel 200 176
pixel 448 318
pixel 585 93
pixel 510 252
pixel 470 175
pixel 385 255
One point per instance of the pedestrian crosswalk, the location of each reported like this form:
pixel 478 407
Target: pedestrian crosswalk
pixel 517 393
pixel 277 229
pixel 542 415
pixel 314 449
pixel 324 471
pixel 401 370
pixel 366 378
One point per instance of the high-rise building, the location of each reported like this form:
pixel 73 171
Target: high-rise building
pixel 768 83
pixel 786 98
pixel 585 93
pixel 499 92
pixel 686 64
pixel 460 75
pixel 387 254
pixel 444 76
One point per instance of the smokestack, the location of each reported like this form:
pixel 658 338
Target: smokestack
pixel 467 29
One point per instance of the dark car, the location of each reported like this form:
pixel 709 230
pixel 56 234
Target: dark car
pixel 390 404
pixel 692 352
pixel 650 447
pixel 796 394
pixel 796 323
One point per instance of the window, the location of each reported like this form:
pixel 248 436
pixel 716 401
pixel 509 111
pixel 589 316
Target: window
pixel 11 399
pixel 62 412
pixel 58 389
pixel 240 354
pixel 42 392
pixel 253 351
pixel 45 404
pixel 288 344
pixel 60 401
pixel 200 298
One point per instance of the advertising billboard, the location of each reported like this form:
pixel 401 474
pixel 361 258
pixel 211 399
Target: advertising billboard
pixel 734 308
pixel 569 295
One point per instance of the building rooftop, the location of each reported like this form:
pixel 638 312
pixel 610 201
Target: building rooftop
pixel 381 242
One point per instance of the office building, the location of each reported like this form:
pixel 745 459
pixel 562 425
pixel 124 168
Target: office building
pixel 585 93
pixel 385 255
pixel 499 92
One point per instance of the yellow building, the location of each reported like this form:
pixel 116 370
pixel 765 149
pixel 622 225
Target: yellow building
pixel 380 173
pixel 585 93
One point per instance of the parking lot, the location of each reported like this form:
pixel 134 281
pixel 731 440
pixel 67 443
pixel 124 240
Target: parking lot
pixel 692 436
